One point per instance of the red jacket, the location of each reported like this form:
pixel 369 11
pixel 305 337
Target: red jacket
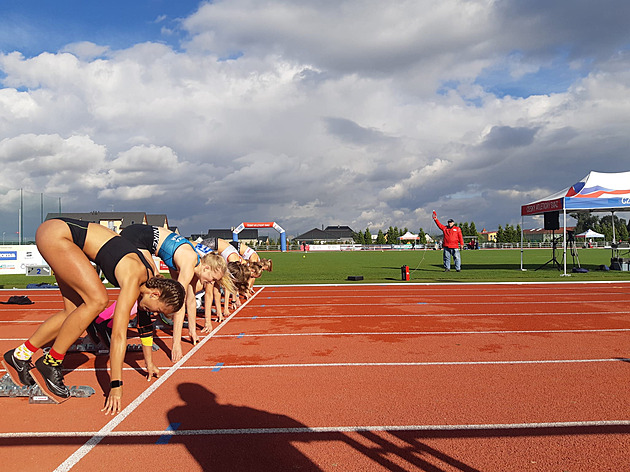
pixel 452 236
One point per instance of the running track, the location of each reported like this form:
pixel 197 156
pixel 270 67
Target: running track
pixel 474 377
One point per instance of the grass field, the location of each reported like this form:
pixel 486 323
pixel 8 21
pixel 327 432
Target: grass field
pixel 487 265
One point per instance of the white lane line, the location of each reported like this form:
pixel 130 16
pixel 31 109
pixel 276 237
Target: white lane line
pixel 106 430
pixel 407 364
pixel 323 317
pixel 327 429
pixel 426 301
pixel 425 333
pixel 365 364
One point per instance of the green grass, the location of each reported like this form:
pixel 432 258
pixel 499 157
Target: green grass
pixel 487 265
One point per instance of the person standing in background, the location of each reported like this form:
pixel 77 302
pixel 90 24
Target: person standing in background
pixel 453 241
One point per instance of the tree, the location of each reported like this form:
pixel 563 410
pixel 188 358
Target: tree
pixel 464 228
pixel 422 236
pixel 367 236
pixel 358 238
pixel 500 235
pixel 391 235
pixel 380 238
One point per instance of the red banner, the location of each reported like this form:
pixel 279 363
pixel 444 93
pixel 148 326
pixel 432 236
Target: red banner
pixel 258 225
pixel 542 207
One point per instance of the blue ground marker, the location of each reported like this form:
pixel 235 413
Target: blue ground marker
pixel 254 317
pixel 217 367
pixel 167 437
pixel 240 335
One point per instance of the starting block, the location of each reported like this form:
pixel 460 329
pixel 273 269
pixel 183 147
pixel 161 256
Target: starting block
pixel 87 345
pixel 35 394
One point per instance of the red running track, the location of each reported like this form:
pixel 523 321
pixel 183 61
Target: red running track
pixel 484 377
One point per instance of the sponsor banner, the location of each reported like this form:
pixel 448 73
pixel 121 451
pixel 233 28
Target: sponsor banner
pixel 269 224
pixel 14 259
pixel 259 225
pixel 542 207
pixel 8 255
pixel 598 203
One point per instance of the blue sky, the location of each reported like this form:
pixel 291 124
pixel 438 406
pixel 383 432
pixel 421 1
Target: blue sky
pixel 354 112
pixel 33 27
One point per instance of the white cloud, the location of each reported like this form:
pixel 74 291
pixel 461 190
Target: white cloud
pixel 340 112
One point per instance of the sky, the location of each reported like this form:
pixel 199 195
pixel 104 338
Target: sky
pixel 348 112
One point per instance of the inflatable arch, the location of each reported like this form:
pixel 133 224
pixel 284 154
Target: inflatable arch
pixel 283 234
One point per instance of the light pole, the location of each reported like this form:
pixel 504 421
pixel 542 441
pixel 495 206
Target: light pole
pixel 3 233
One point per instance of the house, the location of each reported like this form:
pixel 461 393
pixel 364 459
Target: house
pixel 330 235
pixel 487 236
pixel 543 235
pixel 248 236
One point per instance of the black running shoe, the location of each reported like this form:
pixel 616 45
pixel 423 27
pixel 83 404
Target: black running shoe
pixel 18 369
pixel 50 379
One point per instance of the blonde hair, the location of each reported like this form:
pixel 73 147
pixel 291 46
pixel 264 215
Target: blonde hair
pixel 215 262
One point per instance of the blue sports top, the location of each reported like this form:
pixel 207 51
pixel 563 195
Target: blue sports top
pixel 169 246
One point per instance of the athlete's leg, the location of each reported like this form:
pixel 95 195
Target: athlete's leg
pixel 83 293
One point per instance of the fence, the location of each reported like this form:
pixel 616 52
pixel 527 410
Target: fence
pixel 22 211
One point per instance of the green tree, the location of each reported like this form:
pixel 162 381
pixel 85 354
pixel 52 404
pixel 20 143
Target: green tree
pixel 391 235
pixel 500 235
pixel 464 228
pixel 422 236
pixel 473 229
pixel 380 237
pixel 367 236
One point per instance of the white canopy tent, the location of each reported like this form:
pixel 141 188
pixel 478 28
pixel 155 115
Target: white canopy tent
pixel 590 234
pixel 598 191
pixel 408 236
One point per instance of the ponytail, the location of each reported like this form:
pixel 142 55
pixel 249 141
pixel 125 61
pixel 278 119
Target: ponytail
pixel 171 291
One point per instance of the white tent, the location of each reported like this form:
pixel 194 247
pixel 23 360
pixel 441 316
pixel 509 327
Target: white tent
pixel 598 191
pixel 590 234
pixel 409 237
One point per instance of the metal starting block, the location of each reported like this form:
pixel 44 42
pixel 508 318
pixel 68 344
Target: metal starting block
pixel 87 345
pixel 35 394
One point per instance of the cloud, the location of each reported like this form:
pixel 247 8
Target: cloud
pixel 347 112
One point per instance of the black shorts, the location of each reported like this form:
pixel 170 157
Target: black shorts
pixel 78 229
pixel 212 243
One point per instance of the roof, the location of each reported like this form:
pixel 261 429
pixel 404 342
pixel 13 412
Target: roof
pixel 597 191
pixel 125 217
pixel 340 231
pixel 157 220
pixel 331 233
pixel 227 234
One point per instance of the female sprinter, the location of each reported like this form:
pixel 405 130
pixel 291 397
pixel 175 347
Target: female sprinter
pixel 184 265
pixel 68 246
pixel 235 251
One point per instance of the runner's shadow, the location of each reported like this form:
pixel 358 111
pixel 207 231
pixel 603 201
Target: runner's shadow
pixel 223 436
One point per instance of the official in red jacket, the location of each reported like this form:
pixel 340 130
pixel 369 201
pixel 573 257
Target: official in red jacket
pixel 453 241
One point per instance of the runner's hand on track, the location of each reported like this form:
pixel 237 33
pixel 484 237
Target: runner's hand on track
pixel 208 327
pixel 151 371
pixel 194 337
pixel 114 401
pixel 176 353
